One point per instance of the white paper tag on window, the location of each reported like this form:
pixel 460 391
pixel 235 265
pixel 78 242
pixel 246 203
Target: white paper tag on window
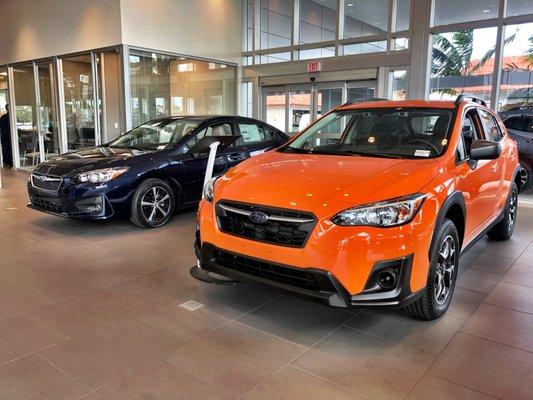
pixel 257 152
pixel 422 153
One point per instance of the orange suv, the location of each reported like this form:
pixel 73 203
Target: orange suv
pixel 372 205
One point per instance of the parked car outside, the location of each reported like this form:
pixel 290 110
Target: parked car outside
pixel 519 123
pixel 148 172
pixel 372 205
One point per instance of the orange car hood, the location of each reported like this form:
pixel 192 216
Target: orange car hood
pixel 323 184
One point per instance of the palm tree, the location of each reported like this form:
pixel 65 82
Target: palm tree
pixel 453 57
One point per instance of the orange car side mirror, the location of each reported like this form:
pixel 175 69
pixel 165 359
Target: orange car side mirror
pixel 484 150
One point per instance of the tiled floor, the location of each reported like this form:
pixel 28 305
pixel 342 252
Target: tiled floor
pixel 91 310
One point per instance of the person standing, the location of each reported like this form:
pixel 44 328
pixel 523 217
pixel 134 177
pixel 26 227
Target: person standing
pixel 5 137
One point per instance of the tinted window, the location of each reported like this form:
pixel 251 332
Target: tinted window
pixel 521 123
pixel 490 126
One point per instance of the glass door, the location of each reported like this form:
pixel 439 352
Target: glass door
pixel 47 126
pixel 300 110
pixel 275 101
pixel 79 102
pixel 329 96
pixel 26 116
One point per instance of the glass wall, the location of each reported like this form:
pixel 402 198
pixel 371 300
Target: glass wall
pixel 79 102
pixel 26 115
pixel 318 21
pixel 163 85
pixel 516 85
pixel 397 84
pixel 463 62
pixel 317 32
pixel 275 23
pixel 454 11
pixel 3 90
pixel 47 110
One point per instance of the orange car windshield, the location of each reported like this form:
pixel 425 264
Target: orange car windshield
pixel 383 132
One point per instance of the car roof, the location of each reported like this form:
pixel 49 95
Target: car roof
pixel 398 103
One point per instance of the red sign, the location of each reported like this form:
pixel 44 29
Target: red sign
pixel 314 66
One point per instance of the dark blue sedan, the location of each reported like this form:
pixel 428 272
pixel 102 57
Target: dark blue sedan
pixel 148 172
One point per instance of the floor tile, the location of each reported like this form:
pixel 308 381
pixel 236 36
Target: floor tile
pixel 492 263
pixel 464 302
pixel 520 274
pixel 372 367
pixel 24 334
pixel 502 325
pixel 16 299
pixel 515 297
pixel 32 378
pixel 478 280
pixel 488 367
pixel 434 388
pixel 235 357
pixel 398 326
pixel 298 320
pixel 76 315
pixel 68 283
pixel 110 351
pixel 291 383
pixel 158 380
pixel 187 324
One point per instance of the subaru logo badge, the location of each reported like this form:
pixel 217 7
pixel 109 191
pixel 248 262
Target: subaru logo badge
pixel 258 217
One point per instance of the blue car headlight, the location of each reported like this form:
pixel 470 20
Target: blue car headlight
pixel 101 175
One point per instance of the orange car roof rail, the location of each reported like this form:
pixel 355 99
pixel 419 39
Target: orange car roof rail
pixel 364 100
pixel 467 97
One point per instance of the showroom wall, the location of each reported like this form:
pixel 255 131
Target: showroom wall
pixel 203 28
pixel 79 25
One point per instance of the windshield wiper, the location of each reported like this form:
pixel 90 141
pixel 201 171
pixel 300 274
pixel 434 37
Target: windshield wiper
pixel 297 150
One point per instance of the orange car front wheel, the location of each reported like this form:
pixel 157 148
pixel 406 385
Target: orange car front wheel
pixel 442 274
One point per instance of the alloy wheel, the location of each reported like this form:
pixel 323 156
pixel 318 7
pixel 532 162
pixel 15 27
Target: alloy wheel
pixel 512 211
pixel 155 204
pixel 445 272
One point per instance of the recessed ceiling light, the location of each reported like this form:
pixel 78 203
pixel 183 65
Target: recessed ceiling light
pixel 350 4
pixel 486 11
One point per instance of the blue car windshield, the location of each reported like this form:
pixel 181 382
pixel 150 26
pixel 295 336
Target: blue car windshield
pixel 156 135
pixel 380 132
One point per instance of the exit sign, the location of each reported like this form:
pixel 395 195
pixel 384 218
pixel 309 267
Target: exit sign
pixel 314 66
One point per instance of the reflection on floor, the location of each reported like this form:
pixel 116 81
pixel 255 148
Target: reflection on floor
pixel 91 310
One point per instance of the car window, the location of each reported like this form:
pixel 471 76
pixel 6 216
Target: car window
pixel 490 126
pixel 381 132
pixel 470 131
pixel 156 135
pixel 223 129
pixel 251 133
pixel 520 123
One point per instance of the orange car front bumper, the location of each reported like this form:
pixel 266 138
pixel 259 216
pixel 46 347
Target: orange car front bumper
pixel 336 264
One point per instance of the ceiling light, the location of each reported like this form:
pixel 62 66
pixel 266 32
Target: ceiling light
pixel 486 11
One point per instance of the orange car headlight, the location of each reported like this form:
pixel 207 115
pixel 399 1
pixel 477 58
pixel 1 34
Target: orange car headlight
pixel 387 213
